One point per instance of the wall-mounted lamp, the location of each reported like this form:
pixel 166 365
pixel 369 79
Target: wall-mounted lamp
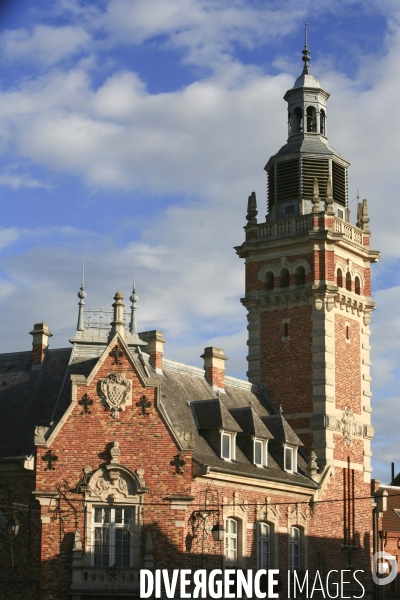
pixel 12 526
pixel 218 533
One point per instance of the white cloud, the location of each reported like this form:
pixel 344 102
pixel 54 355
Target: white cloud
pixel 207 142
pixel 8 236
pixel 44 44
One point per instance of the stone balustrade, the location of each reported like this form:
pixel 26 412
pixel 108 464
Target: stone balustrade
pixel 302 224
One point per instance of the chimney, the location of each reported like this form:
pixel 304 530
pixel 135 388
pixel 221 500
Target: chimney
pixel 214 366
pixel 40 342
pixel 155 347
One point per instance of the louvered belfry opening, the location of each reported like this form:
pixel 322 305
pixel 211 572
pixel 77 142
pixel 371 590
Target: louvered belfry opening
pixel 339 183
pixel 287 180
pixel 312 168
pixel 292 180
pixel 271 188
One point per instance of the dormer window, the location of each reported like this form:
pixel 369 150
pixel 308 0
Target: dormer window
pixel 260 452
pixel 290 459
pixel 228 446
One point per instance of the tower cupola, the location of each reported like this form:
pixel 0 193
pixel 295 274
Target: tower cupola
pixel 306 163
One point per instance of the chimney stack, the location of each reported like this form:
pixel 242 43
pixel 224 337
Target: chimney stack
pixel 41 335
pixel 155 347
pixel 214 366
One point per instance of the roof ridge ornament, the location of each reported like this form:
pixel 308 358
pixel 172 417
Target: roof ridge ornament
pixel 81 303
pixel 306 53
pixel 133 298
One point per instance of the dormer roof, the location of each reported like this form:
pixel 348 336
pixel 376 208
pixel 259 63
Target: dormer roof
pixel 212 414
pixel 281 430
pixel 250 422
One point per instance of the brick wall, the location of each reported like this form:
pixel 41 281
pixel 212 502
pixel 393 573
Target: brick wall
pixel 347 363
pixel 20 580
pixel 286 365
pixel 84 440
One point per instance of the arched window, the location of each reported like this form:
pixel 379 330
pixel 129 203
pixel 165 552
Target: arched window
pixel 231 543
pixel 284 278
pixel 339 277
pixel 300 276
pixel 297 120
pixel 357 286
pixel 264 546
pixel 294 548
pixel 270 281
pixel 311 120
pixel 348 282
pixel 322 122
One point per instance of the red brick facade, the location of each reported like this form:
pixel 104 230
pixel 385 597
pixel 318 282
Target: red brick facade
pixel 286 364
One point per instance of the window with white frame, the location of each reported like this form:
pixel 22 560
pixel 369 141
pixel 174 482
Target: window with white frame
pixel 260 452
pixel 290 459
pixel 231 542
pixel 113 530
pixel 294 548
pixel 264 546
pixel 228 446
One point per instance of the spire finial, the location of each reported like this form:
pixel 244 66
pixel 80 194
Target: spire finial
pixel 133 298
pixel 81 304
pixel 306 53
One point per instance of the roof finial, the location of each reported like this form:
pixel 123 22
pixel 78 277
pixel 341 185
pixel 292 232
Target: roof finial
pixel 306 53
pixel 280 409
pixel 133 298
pixel 81 304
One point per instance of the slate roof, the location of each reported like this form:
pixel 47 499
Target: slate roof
pixel 281 430
pixel 27 398
pixel 250 422
pixel 182 388
pixel 212 414
pixel 307 145
pixel 40 397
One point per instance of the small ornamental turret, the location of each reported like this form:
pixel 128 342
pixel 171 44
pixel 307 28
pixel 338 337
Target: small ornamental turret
pixel 117 324
pixel 252 209
pixel 81 304
pixel 329 198
pixel 133 298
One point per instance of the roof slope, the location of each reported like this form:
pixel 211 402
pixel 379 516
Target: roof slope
pixel 27 397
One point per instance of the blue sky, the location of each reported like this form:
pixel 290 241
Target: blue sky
pixel 134 130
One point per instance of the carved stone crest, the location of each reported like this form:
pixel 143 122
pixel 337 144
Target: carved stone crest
pixel 348 426
pixel 116 391
pixel 111 485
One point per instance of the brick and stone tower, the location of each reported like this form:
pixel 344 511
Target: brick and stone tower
pixel 308 289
